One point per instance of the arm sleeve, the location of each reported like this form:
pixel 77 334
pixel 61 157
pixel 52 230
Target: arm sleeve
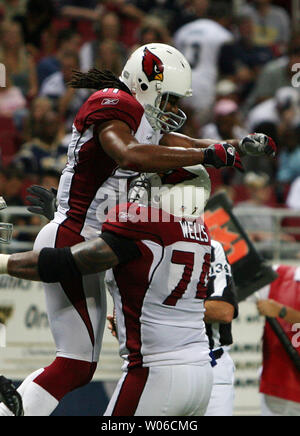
pixel 58 264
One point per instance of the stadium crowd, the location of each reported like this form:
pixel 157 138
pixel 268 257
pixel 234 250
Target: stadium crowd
pixel 244 80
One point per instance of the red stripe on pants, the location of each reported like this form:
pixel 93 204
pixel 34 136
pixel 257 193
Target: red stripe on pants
pixel 131 392
pixel 74 288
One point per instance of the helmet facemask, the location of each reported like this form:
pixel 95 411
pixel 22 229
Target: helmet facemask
pixel 141 189
pixel 159 119
pixel 6 229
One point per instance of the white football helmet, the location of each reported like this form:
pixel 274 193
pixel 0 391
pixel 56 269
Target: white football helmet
pixel 153 71
pixel 6 229
pixel 183 192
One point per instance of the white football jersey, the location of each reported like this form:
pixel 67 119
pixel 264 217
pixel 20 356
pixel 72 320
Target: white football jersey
pixel 159 297
pixel 200 42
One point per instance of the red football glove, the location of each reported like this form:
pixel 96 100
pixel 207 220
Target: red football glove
pixel 258 144
pixel 222 155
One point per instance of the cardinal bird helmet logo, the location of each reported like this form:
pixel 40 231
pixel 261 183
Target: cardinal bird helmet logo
pixel 152 66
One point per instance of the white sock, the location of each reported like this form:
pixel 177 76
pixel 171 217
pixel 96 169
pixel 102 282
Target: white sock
pixel 4 411
pixel 36 400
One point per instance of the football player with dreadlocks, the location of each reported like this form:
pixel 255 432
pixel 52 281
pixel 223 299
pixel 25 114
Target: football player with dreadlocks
pixel 115 137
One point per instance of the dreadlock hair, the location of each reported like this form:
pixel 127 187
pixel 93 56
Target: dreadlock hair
pixel 96 79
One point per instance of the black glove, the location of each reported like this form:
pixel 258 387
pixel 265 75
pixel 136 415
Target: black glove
pixel 43 202
pixel 222 155
pixel 10 396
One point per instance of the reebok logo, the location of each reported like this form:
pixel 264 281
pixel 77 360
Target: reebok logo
pixel 110 101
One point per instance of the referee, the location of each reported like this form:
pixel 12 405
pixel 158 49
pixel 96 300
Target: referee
pixel 221 308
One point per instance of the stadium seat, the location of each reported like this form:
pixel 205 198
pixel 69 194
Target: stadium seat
pixel 9 140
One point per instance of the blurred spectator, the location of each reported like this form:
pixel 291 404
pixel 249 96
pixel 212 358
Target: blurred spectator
pixel 12 100
pixel 10 141
pixel 259 222
pixel 152 30
pixel 36 24
pixel 280 379
pixel 242 60
pixel 10 8
pixel 293 197
pixel 108 57
pixel 79 15
pixel 275 74
pixel 50 179
pixel 20 66
pixel 272 25
pixel 80 9
pixel 107 31
pixel 32 123
pixel 54 86
pixel 67 41
pixel 227 88
pixel 289 156
pixel 200 41
pixel 283 110
pixel 12 112
pixel 65 99
pixel 196 8
pixel 227 123
pixel 171 12
pixel 11 189
pixel 45 151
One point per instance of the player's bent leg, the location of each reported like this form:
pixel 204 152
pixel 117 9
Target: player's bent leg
pixel 36 400
pixel 77 313
pixel 77 340
pixel 178 390
pixel 65 375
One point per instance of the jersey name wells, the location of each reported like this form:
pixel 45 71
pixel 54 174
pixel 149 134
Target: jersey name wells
pixel 194 230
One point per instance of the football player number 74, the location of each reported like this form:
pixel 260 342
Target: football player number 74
pixel 187 259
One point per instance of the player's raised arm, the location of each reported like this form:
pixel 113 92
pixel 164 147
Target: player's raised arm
pixel 256 144
pixel 118 142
